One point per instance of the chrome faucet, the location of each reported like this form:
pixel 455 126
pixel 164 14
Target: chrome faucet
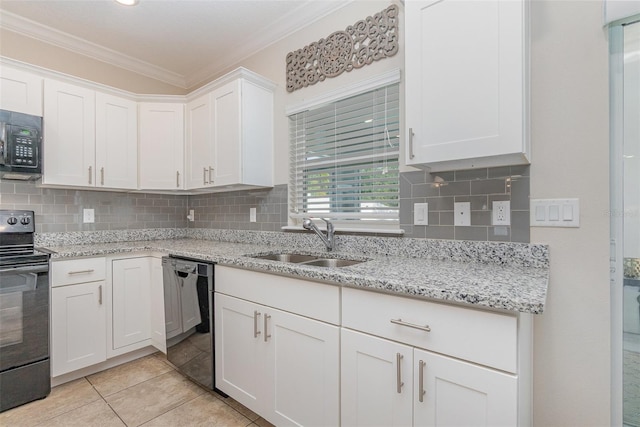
pixel 328 240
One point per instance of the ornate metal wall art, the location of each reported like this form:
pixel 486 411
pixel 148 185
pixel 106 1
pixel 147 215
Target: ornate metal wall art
pixel 368 40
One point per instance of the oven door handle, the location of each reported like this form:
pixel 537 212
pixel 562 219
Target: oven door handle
pixel 27 269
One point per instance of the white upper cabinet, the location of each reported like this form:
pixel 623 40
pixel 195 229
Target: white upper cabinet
pixel 466 83
pixel 20 91
pixel 230 134
pixel 116 142
pixel 161 146
pixel 90 138
pixel 199 143
pixel 69 135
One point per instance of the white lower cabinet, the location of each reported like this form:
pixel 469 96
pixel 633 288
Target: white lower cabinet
pixel 79 332
pixel 394 372
pixel 78 314
pixel 392 384
pixel 104 307
pixel 131 301
pixel 281 365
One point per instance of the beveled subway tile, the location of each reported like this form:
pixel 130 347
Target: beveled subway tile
pixel 63 398
pixel 123 376
pixel 94 414
pixel 205 410
pixel 150 399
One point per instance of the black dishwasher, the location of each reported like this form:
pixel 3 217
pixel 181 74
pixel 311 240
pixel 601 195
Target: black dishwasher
pixel 188 303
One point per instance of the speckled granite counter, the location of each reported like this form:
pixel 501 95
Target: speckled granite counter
pixel 511 277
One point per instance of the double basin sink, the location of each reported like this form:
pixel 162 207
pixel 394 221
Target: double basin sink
pixel 312 260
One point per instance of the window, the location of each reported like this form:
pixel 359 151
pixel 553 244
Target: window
pixel 344 160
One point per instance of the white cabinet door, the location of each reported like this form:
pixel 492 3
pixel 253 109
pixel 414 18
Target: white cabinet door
pixel 116 142
pixel 240 351
pixel 20 91
pixel 161 162
pixel 283 366
pixel 462 394
pixel 227 138
pixel 199 143
pixel 69 134
pixel 466 83
pixel 303 370
pixel 131 301
pixel 376 381
pixel 78 327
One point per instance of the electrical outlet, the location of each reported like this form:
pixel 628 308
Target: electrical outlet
pixel 501 214
pixel 88 216
pixel 462 214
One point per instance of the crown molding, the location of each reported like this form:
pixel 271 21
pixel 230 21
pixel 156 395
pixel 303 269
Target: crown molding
pixel 35 30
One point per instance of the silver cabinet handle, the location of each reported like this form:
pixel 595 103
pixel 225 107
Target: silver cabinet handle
pixel 399 382
pixel 100 294
pixel 91 270
pixel 421 391
pixel 210 177
pixel 204 175
pixel 266 334
pixel 90 168
pixel 400 322
pixel 177 179
pixel 101 176
pixel 256 332
pixel 411 154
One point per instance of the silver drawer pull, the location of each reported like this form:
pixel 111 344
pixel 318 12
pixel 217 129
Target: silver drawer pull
pixel 91 270
pixel 399 382
pixel 421 391
pixel 256 332
pixel 266 334
pixel 400 322
pixel 177 179
pixel 411 154
pixel 100 295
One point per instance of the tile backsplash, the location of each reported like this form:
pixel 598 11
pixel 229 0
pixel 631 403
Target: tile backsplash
pixel 60 210
pixel 480 187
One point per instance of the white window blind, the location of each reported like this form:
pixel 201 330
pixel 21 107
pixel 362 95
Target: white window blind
pixel 344 160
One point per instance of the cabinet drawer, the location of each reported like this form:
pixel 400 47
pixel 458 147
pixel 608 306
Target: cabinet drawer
pixel 311 299
pixel 478 336
pixel 80 270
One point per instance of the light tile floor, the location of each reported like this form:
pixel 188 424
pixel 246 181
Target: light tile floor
pixel 144 392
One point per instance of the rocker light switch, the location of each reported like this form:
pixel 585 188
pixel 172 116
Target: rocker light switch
pixel 421 214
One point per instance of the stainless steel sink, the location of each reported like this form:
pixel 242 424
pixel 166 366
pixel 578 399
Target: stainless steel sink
pixel 333 262
pixel 313 260
pixel 296 258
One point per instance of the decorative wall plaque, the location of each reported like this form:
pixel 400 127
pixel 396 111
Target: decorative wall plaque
pixel 368 40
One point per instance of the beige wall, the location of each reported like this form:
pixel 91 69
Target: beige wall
pixel 570 144
pixel 31 51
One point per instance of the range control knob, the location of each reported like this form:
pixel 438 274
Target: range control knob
pixel 12 220
pixel 25 220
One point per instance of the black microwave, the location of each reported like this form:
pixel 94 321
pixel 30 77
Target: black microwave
pixel 20 146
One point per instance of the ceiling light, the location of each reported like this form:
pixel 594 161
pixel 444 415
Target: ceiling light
pixel 128 2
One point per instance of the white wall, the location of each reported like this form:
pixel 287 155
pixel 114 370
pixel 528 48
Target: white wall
pixel 570 152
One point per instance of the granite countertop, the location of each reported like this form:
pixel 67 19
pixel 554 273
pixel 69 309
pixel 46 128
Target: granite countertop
pixel 483 285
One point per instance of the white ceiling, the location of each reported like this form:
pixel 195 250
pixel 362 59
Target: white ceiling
pixel 181 42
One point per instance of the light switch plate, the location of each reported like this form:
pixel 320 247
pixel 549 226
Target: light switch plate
pixel 421 214
pixel 88 216
pixel 252 215
pixel 555 213
pixel 462 214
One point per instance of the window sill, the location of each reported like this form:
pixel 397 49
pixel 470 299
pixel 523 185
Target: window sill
pixel 394 231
